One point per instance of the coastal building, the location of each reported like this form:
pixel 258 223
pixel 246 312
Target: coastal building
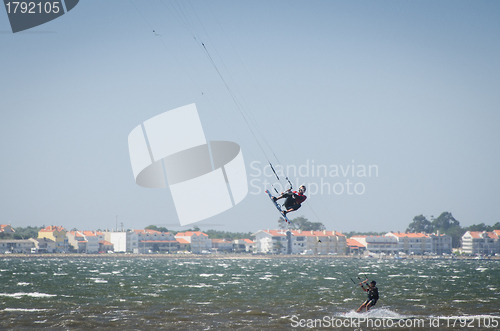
pixel 378 244
pixel 441 243
pixel 58 235
pixel 421 243
pixel 183 244
pixel 319 242
pixel 222 245
pixel 243 245
pixel 355 247
pixel 77 242
pixel 6 228
pixel 105 246
pixel 481 242
pixel 156 241
pixel 123 241
pixel 412 243
pixel 43 245
pixel 299 242
pixel 92 239
pixel 198 240
pixel 16 246
pixel 271 242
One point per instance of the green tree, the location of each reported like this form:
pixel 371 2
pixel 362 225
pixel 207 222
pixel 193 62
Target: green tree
pixel 26 233
pixel 447 224
pixel 215 234
pixel 420 224
pixel 369 233
pixel 444 222
pixel 301 223
pixel 479 227
pixel 278 246
pixel 155 228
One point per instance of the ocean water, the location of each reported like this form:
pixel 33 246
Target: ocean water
pixel 246 294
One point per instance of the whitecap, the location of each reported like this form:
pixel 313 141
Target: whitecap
pixel 374 313
pixel 29 310
pixel 33 295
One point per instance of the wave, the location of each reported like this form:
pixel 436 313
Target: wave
pixel 33 295
pixel 375 313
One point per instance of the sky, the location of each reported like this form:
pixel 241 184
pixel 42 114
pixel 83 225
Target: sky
pixel 408 90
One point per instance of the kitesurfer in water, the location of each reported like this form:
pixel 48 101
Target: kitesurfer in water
pixel 372 295
pixel 293 200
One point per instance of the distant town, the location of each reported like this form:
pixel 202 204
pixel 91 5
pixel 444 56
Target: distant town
pixel 56 239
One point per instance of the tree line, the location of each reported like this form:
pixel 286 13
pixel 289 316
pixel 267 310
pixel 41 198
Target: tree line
pixel 447 224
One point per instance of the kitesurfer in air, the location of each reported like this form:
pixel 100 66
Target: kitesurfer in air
pixel 293 200
pixel 372 295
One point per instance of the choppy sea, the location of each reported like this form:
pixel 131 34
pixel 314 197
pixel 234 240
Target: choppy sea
pixel 246 294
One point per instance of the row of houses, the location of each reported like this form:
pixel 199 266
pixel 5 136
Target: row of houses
pixel 333 242
pixel 57 239
pixel 402 242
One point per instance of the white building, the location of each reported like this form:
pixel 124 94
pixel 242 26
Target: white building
pixel 379 244
pixel 156 241
pixel 123 241
pixel 477 242
pixel 298 242
pixel 420 243
pixel 16 246
pixel 198 241
pixel 243 245
pixel 441 243
pixel 271 242
pixel 44 245
pixel 319 242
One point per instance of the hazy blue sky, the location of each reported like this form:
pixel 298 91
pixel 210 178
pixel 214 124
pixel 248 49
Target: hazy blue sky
pixel 410 88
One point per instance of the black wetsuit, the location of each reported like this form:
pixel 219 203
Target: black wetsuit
pixel 294 200
pixel 372 296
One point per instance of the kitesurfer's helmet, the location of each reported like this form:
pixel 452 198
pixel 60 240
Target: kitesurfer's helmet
pixel 302 189
pixel 373 283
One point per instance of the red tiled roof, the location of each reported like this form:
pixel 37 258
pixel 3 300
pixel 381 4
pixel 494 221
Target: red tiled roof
pixel 105 243
pixel 190 233
pixel 248 241
pixel 182 241
pixel 354 243
pixel 478 234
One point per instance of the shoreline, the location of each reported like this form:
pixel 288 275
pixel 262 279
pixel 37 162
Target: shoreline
pixel 220 256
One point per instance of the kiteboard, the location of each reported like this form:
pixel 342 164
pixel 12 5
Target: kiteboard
pixel 278 206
